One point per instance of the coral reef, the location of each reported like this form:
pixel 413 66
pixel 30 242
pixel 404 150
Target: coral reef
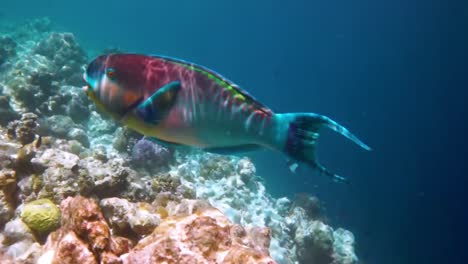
pixel 23 130
pixel 41 215
pixel 63 127
pixel 126 217
pixel 75 187
pixel 150 155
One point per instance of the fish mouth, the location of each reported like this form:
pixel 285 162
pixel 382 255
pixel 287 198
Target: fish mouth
pixel 87 88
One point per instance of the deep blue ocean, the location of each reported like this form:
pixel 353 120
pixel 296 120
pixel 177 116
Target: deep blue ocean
pixel 393 72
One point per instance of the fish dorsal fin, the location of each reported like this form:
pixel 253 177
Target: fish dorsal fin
pixel 235 90
pixel 158 105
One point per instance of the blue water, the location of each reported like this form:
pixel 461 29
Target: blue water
pixel 394 72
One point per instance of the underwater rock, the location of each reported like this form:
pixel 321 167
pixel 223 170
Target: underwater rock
pixel 243 203
pixel 7 209
pixel 117 211
pixel 186 207
pixel 8 178
pixel 109 178
pixel 55 158
pixel 282 205
pixel 63 127
pixel 98 125
pixel 25 251
pixel 314 243
pixel 66 55
pixel 84 236
pixel 83 216
pixel 69 249
pixel 23 130
pixel 75 103
pixel 120 141
pixel 29 83
pixel 61 176
pixel 16 230
pixel 7 114
pixel 165 182
pixel 216 167
pixel 310 204
pixel 343 245
pixel 246 169
pixel 123 216
pixel 19 242
pixel 41 216
pixel 206 236
pixel 7 49
pixel 150 155
pixel 79 135
pixel 125 139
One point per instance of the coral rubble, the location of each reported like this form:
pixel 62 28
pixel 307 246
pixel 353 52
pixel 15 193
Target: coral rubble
pixel 76 188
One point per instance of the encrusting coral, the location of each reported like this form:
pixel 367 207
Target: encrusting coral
pixel 74 188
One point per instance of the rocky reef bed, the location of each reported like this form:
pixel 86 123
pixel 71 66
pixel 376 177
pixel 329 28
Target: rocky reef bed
pixel 75 188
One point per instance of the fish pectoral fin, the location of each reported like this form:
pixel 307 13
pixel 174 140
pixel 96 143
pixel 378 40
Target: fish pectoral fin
pixel 233 150
pixel 158 105
pixel 293 166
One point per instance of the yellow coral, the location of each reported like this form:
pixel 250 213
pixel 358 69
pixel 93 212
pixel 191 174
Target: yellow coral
pixel 41 215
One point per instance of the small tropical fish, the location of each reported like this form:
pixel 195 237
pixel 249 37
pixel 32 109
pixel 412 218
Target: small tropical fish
pixel 176 102
pixel 37 142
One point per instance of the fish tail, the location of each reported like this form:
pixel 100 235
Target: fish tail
pixel 296 134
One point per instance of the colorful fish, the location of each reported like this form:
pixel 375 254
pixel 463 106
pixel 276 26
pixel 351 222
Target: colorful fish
pixel 176 102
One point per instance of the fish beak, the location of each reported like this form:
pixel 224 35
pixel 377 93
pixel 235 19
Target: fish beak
pixel 87 88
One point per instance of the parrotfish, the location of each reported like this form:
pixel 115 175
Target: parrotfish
pixel 179 103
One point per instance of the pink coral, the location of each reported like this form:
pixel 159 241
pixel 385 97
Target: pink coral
pixel 204 236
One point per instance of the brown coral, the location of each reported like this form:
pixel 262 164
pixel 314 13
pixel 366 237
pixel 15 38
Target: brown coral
pixel 87 221
pixel 85 236
pixel 23 130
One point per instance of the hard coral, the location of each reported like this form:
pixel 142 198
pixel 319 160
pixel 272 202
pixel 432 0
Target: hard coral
pixel 126 217
pixel 150 155
pixel 41 216
pixel 216 167
pixel 63 127
pixel 23 130
pixel 206 236
pixel 66 55
pixel 310 204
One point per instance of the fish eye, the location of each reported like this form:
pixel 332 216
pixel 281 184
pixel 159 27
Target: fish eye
pixel 110 73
